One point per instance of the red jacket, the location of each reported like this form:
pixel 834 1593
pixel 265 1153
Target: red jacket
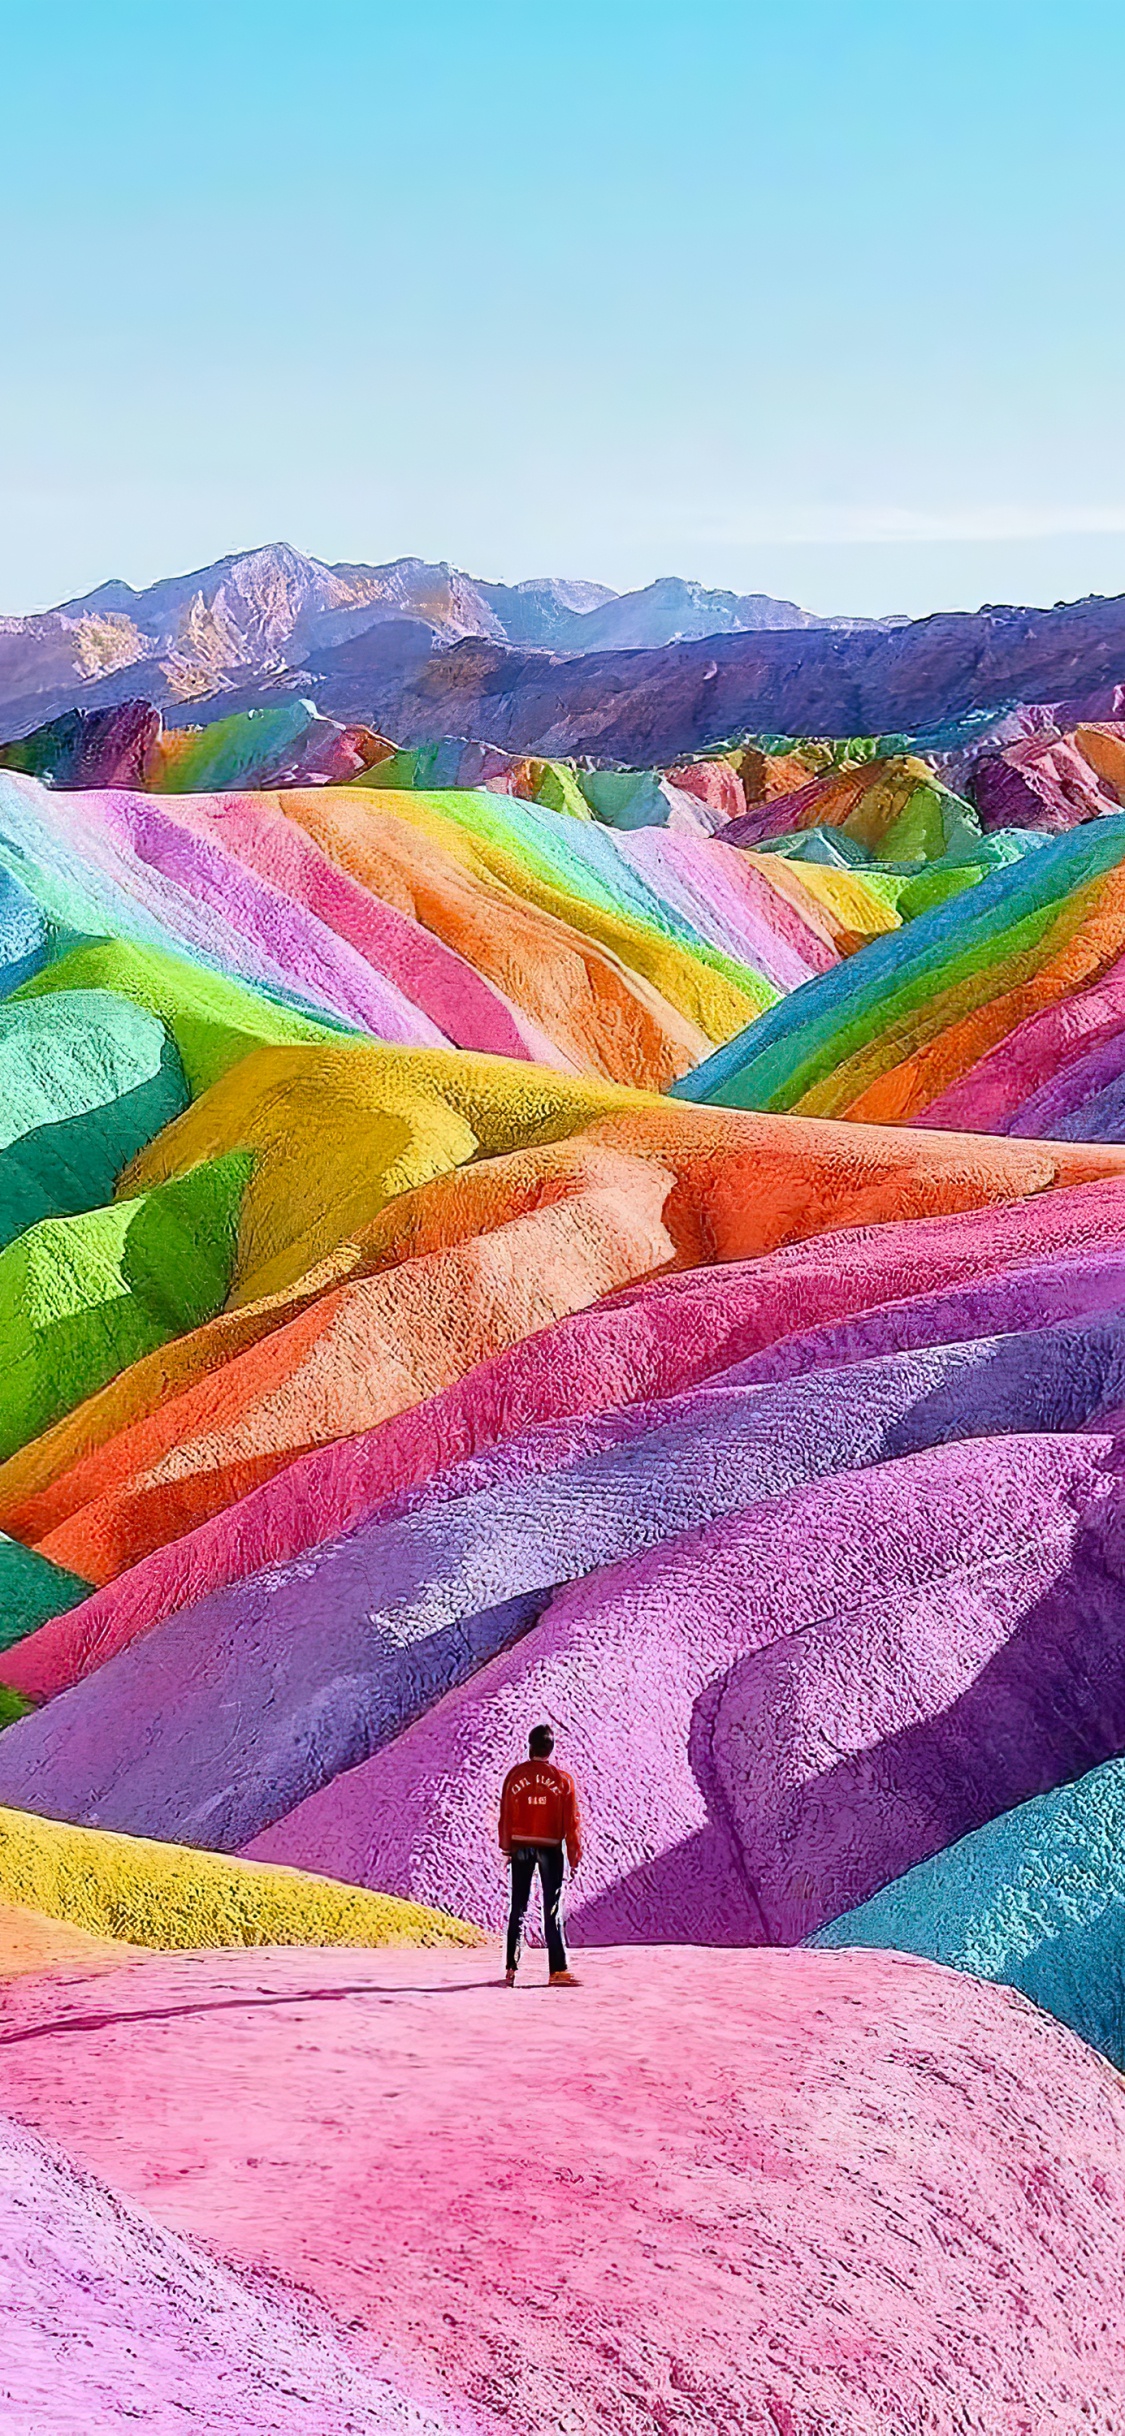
pixel 540 1806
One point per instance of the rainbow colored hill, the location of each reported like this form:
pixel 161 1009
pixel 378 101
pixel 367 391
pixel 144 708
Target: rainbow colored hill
pixel 485 1238
pixel 433 1189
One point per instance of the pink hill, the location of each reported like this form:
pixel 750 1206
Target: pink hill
pixel 779 2194
pixel 110 2322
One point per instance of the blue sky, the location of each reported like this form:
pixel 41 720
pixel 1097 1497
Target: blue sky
pixel 820 298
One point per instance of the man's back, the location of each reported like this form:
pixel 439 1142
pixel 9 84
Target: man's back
pixel 539 1806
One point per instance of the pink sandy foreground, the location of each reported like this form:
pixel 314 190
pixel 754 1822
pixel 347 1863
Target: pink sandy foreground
pixel 769 2193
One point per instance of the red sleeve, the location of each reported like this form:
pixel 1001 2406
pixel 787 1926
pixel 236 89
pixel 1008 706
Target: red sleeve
pixel 572 1824
pixel 505 1831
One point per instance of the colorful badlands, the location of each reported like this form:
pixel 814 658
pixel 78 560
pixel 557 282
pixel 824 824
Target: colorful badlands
pixel 645 1248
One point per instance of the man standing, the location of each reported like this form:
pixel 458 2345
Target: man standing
pixel 538 1816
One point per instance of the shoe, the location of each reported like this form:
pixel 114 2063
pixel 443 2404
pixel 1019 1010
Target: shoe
pixel 509 1979
pixel 563 1979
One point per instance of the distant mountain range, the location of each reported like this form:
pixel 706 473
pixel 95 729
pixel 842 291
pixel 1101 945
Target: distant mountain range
pixel 548 666
pixel 256 621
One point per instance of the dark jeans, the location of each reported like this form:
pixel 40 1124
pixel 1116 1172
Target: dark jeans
pixel 548 1860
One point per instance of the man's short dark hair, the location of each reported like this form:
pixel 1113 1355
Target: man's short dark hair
pixel 541 1742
